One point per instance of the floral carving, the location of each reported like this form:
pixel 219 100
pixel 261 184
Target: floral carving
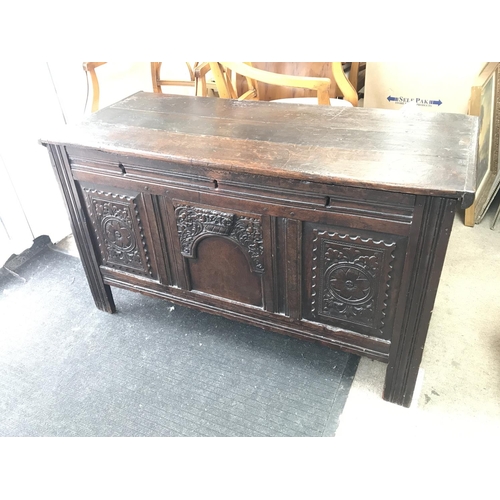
pixel 194 223
pixel 349 284
pixel 248 233
pixel 347 272
pixel 117 232
pixel 118 235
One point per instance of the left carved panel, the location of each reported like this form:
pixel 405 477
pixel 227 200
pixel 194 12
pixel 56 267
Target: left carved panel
pixel 119 231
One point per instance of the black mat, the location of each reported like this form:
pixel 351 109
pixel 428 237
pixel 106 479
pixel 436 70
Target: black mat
pixel 152 369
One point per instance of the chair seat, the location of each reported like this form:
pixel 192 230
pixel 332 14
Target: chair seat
pixel 313 100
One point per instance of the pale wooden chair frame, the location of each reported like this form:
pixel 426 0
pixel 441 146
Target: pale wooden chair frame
pixel 222 74
pixel 200 80
pixel 202 87
pixel 158 82
pixel 223 84
pixel 90 67
pixel 355 69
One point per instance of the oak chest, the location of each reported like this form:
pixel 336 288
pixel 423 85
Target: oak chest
pixel 323 223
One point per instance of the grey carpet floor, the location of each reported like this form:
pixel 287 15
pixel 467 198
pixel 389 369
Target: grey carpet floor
pixel 151 369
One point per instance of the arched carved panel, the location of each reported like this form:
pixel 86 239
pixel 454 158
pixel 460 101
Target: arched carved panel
pixel 194 223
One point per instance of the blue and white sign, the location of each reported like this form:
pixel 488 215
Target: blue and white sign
pixel 417 100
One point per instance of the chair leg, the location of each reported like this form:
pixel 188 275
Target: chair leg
pixel 155 77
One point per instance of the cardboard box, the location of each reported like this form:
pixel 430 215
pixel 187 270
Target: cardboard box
pixel 434 86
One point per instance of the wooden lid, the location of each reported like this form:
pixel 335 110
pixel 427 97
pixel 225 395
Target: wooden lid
pixel 415 152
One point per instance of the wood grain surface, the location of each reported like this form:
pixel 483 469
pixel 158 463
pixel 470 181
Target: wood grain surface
pixel 432 154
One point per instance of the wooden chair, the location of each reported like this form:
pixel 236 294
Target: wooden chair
pixel 158 82
pixel 313 69
pixel 323 87
pixel 200 78
pixel 89 67
pixel 204 90
pixel 356 73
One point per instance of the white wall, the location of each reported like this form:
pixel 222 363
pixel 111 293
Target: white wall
pixel 15 232
pixel 117 80
pixel 28 106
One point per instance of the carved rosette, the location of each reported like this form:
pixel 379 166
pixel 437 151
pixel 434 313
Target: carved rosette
pixel 194 223
pixel 118 230
pixel 349 273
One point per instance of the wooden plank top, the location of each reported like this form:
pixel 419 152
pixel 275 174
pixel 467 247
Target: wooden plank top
pixel 408 152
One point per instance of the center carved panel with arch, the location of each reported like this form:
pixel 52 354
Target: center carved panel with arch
pixel 194 223
pixel 223 251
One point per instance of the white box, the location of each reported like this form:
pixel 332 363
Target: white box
pixel 434 86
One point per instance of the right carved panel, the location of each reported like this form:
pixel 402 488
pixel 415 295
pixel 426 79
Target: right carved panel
pixel 353 278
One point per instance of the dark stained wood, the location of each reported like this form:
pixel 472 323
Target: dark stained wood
pixel 378 258
pixel 407 347
pixel 101 292
pixel 221 269
pixel 346 340
pixel 381 149
pixel 324 225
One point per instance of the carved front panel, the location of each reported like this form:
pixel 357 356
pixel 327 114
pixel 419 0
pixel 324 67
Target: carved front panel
pixel 194 223
pixel 351 279
pixel 119 231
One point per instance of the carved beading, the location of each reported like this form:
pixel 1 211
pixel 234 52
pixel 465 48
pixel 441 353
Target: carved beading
pixel 347 272
pixel 194 223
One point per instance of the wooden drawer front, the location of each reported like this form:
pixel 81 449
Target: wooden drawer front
pixel 120 233
pixel 95 162
pixel 352 278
